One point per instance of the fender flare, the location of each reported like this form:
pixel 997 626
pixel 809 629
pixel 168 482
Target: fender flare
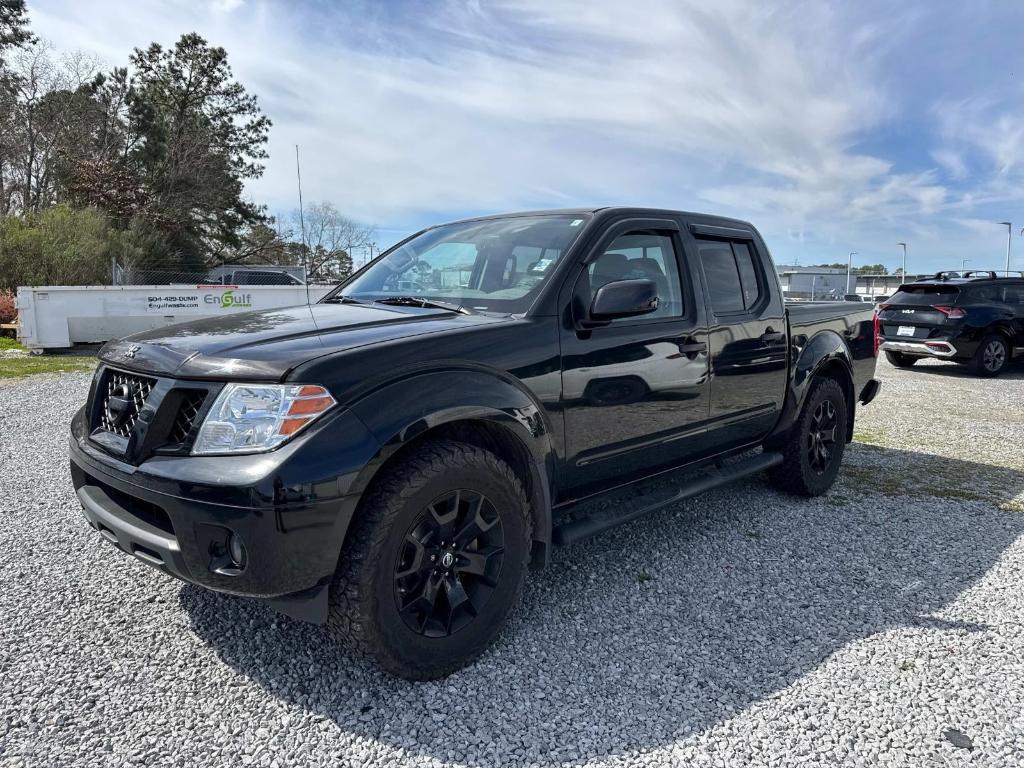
pixel 825 349
pixel 399 412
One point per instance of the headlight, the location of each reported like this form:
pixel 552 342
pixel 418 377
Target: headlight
pixel 247 418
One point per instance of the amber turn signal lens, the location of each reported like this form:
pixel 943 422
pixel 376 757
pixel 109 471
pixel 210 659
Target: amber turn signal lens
pixel 311 405
pixel 309 402
pixel 291 426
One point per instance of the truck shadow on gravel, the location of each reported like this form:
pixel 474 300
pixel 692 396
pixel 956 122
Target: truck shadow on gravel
pixel 671 625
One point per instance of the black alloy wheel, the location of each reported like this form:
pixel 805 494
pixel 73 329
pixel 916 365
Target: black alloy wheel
pixel 435 561
pixel 449 563
pixel 821 437
pixel 813 448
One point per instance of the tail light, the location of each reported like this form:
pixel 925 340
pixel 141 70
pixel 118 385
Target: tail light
pixel 877 328
pixel 953 313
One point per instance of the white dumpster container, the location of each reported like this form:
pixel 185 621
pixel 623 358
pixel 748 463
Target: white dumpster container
pixel 56 316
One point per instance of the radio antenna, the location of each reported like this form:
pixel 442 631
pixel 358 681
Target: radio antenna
pixel 302 223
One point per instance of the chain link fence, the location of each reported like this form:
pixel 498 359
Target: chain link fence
pixel 228 274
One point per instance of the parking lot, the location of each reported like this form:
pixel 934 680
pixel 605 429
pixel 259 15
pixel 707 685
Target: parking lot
pixel 882 624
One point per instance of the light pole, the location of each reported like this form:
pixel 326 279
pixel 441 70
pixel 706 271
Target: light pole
pixel 1009 231
pixel 963 266
pixel 903 277
pixel 849 267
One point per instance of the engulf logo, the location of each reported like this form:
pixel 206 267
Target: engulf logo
pixel 229 299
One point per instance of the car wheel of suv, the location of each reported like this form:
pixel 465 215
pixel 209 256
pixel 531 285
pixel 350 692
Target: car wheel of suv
pixel 901 360
pixel 813 450
pixel 992 356
pixel 436 562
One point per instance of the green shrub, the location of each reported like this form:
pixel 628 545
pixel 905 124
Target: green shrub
pixel 71 246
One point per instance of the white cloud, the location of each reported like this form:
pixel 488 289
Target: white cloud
pixel 952 162
pixel 227 6
pixel 411 112
pixel 983 124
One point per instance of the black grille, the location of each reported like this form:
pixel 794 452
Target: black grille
pixel 121 401
pixel 191 403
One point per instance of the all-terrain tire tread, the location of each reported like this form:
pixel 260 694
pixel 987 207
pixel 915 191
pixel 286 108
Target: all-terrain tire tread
pixel 351 598
pixel 792 476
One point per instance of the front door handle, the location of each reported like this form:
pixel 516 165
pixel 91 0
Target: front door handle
pixel 771 336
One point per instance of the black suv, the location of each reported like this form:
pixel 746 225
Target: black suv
pixel 973 318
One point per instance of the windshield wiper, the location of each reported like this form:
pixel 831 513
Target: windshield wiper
pixel 341 299
pixel 420 301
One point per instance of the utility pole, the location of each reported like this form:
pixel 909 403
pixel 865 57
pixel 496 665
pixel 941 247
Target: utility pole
pixel 849 267
pixel 903 276
pixel 1009 232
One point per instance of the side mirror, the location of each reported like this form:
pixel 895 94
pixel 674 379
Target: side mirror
pixel 624 298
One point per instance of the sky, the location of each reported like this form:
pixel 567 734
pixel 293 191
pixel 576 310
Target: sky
pixel 832 126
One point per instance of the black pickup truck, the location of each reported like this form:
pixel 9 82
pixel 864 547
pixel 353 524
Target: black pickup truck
pixel 392 460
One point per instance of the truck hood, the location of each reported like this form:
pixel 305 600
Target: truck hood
pixel 266 344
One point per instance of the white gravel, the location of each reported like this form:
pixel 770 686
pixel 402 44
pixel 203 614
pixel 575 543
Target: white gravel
pixel 880 625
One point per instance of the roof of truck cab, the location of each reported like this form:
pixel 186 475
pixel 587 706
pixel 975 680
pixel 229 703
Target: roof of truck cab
pixel 609 210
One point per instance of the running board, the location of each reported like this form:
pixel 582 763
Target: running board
pixel 609 514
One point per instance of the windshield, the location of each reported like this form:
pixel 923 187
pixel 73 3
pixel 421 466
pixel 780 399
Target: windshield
pixel 495 265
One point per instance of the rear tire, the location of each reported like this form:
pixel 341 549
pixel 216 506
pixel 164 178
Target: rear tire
pixel 992 356
pixel 436 562
pixel 813 449
pixel 901 360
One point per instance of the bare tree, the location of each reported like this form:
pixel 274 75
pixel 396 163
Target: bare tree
pixel 46 122
pixel 329 241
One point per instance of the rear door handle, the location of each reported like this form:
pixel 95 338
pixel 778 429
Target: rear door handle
pixel 694 348
pixel 771 336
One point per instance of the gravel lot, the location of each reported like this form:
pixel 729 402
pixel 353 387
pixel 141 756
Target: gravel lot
pixel 880 625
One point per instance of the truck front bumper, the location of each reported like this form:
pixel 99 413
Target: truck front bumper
pixel 289 541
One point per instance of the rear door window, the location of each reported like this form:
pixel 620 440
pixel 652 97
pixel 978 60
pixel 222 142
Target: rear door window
pixel 731 274
pixel 725 291
pixel 748 274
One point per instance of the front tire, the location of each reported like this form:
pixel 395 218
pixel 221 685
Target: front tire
pixel 992 356
pixel 813 450
pixel 436 562
pixel 901 360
